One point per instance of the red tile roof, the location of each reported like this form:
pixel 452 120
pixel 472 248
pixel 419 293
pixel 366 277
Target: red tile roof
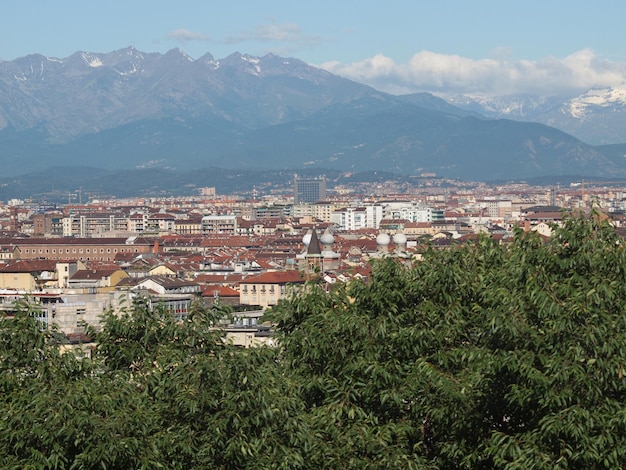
pixel 222 291
pixel 87 274
pixel 230 241
pixel 275 277
pixel 29 266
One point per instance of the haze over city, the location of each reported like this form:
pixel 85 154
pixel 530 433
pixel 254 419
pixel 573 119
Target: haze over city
pixel 543 48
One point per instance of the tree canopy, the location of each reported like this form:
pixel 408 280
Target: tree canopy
pixel 481 356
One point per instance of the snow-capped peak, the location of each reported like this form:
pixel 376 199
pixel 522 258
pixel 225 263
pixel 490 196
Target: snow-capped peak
pixel 600 97
pixel 251 59
pixel 92 60
pixel 254 61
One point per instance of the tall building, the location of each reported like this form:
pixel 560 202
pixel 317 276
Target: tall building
pixel 309 190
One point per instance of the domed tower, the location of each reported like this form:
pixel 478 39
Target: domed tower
pixel 399 240
pixel 330 259
pixel 382 242
pixel 327 241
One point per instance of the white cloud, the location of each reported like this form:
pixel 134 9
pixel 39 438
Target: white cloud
pixel 287 37
pixel 184 35
pixel 499 74
pixel 289 32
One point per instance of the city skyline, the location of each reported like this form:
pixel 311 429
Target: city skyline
pixel 403 47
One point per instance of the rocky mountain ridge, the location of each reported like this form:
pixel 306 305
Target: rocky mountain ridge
pixel 89 92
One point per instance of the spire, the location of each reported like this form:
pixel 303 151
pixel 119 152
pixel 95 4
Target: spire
pixel 314 245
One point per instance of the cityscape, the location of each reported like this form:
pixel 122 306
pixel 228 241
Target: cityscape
pixel 80 258
pixel 333 235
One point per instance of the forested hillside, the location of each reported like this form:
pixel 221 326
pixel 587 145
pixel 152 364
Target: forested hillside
pixel 484 356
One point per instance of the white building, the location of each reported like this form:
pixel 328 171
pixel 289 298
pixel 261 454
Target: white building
pixel 350 218
pixel 411 212
pixel 496 208
pixel 219 224
pixel 374 215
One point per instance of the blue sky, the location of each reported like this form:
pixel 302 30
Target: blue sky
pixel 480 46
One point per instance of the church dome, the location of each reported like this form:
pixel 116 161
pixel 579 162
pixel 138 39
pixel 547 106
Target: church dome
pixel 399 239
pixel 327 239
pixel 306 239
pixel 383 239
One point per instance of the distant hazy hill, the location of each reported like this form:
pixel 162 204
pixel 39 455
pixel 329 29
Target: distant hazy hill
pixel 127 109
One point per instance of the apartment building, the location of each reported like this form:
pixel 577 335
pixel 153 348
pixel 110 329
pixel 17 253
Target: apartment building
pixel 411 212
pixel 48 224
pixel 219 224
pixel 94 224
pixel 350 218
pixel 496 208
pixel 70 312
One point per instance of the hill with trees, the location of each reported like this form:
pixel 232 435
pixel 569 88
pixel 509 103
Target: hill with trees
pixel 482 356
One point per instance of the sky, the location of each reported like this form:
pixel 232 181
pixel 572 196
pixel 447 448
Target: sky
pixel 545 47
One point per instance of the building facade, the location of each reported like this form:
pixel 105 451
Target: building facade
pixel 309 190
pixel 268 288
pixel 84 249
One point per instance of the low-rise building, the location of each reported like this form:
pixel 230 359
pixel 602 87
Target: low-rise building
pixel 268 288
pixel 96 280
pixel 163 285
pixel 36 275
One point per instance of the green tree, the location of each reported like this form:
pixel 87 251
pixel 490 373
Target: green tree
pixel 483 356
pixel 158 393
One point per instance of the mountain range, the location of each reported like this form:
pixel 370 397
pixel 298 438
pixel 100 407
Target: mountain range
pixel 597 116
pixel 130 110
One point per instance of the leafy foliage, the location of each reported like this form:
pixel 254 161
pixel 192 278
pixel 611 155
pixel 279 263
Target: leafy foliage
pixel 484 356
